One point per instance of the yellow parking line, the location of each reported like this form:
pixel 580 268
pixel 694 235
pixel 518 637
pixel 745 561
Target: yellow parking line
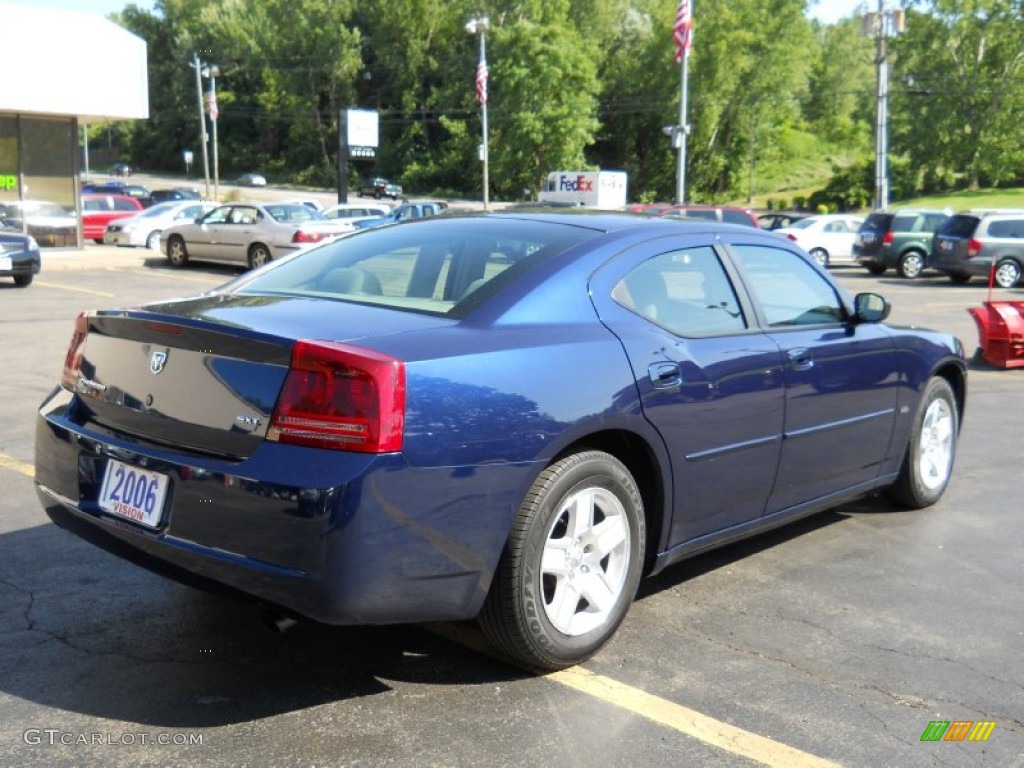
pixel 75 288
pixel 684 720
pixel 9 462
pixel 176 275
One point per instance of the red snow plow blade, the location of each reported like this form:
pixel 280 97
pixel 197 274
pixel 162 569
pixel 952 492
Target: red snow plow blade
pixel 1001 332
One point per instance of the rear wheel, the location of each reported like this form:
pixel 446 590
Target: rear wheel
pixel 911 264
pixel 177 254
pixel 153 241
pixel 928 462
pixel 571 565
pixel 259 255
pixel 820 255
pixel 1007 273
pixel 876 269
pixel 959 278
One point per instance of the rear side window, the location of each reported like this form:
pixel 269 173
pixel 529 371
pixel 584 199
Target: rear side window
pixel 906 223
pixel 120 204
pixel 686 292
pixel 1009 228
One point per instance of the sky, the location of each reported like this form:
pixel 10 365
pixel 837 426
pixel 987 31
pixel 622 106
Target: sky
pixel 825 10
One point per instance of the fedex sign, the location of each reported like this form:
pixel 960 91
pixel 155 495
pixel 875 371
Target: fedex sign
pixel 580 184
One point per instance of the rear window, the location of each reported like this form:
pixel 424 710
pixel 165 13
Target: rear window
pixel 1013 228
pixel 441 266
pixel 877 222
pixel 736 217
pixel 959 226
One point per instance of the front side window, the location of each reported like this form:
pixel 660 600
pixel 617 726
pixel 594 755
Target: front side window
pixel 790 291
pixel 686 292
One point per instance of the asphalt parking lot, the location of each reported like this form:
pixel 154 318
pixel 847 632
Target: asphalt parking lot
pixel 837 640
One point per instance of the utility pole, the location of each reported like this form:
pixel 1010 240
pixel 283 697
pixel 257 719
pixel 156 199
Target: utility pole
pixel 880 25
pixel 197 65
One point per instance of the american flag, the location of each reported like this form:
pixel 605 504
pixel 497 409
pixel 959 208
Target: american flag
pixel 682 32
pixel 481 82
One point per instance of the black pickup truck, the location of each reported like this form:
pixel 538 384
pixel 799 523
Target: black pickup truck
pixel 379 188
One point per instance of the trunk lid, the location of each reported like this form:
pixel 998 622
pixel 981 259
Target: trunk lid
pixel 203 375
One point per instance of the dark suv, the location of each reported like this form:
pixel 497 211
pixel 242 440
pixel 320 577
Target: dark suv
pixel 971 243
pixel 897 239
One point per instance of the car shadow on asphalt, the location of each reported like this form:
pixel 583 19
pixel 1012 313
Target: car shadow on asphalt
pixel 86 632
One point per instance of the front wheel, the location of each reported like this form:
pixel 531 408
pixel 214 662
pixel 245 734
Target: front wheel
pixel 928 462
pixel 23 281
pixel 820 255
pixel 960 278
pixel 911 264
pixel 571 564
pixel 1007 273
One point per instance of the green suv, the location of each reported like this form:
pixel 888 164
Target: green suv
pixel 898 239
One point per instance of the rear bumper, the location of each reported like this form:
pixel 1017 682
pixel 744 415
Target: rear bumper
pixel 338 538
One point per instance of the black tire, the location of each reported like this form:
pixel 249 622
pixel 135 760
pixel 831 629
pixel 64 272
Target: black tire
pixel 98 240
pixel 820 255
pixel 931 452
pixel 23 281
pixel 177 253
pixel 959 278
pixel 1007 273
pixel 876 269
pixel 603 557
pixel 376 194
pixel 911 265
pixel 259 255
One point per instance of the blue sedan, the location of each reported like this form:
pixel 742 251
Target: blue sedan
pixel 512 417
pixel 19 257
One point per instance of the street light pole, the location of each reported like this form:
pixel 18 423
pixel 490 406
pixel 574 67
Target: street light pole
pixel 197 65
pixel 480 25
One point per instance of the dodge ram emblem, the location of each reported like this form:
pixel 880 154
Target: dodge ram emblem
pixel 156 362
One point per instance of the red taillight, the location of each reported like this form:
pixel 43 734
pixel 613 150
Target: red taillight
pixel 973 248
pixel 887 239
pixel 791 236
pixel 302 236
pixel 73 359
pixel 341 397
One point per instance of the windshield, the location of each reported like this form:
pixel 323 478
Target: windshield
pixel 293 212
pixel 433 265
pixel 877 222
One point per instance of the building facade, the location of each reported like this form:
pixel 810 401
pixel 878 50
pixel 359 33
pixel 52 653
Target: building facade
pixel 63 70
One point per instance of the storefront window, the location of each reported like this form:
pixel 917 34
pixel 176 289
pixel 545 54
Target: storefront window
pixel 37 178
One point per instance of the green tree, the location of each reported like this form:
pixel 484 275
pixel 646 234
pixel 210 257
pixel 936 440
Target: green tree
pixel 960 106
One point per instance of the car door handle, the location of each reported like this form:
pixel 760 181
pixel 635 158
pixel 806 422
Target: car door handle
pixel 801 358
pixel 665 375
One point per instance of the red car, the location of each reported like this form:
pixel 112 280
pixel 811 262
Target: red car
pixel 100 210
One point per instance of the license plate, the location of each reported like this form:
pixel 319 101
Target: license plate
pixel 5 263
pixel 866 239
pixel 945 245
pixel 134 494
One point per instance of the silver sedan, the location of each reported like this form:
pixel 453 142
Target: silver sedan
pixel 247 233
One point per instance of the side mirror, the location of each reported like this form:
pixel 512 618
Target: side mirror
pixel 870 308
